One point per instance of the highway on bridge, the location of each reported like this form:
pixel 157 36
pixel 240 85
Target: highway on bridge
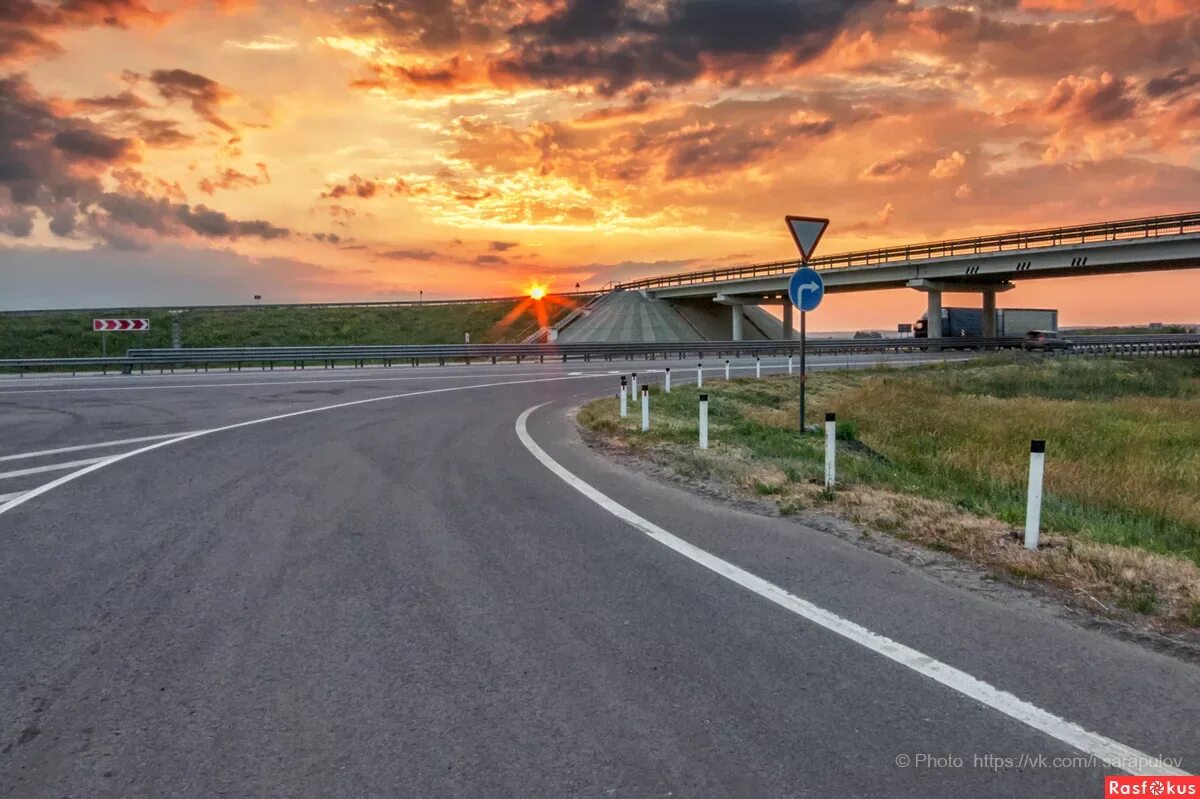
pixel 405 582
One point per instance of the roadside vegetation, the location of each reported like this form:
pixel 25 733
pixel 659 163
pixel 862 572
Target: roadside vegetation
pixel 68 334
pixel 939 456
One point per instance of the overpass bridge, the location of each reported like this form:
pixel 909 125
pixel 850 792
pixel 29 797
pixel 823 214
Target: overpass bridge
pixel 984 264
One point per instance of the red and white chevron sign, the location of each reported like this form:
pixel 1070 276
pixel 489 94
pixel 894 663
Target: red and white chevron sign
pixel 120 324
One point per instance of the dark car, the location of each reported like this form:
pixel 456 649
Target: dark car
pixel 1045 341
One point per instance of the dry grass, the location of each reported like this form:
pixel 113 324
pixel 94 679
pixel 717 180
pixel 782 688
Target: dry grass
pixel 1122 514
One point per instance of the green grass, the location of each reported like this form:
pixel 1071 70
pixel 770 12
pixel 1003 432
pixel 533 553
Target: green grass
pixel 1123 462
pixel 68 334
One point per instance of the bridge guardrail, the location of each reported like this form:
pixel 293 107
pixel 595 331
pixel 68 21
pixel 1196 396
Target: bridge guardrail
pixel 1147 227
pixel 389 355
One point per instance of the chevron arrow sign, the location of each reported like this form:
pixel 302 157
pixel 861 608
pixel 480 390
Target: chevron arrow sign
pixel 105 325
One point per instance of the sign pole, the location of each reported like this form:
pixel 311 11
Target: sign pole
pixel 103 344
pixel 803 363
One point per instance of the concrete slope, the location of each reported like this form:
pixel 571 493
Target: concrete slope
pixel 715 321
pixel 628 316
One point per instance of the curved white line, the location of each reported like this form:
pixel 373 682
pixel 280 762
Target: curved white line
pixel 1104 749
pixel 100 464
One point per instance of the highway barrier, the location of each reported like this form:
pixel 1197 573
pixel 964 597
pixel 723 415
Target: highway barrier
pixel 414 354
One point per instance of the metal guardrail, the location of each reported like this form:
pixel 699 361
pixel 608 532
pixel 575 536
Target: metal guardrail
pixel 390 355
pixel 294 305
pixel 1147 227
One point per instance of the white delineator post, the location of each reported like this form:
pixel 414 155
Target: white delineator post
pixel 726 369
pixel 699 375
pixel 624 400
pixel 789 364
pixel 667 382
pixel 645 409
pixel 1033 502
pixel 703 421
pixel 830 449
pixel 757 369
pixel 634 387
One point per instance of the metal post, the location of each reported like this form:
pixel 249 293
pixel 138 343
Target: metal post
pixel 1033 502
pixel 645 409
pixel 803 364
pixel 699 375
pixel 703 421
pixel 667 384
pixel 624 400
pixel 830 449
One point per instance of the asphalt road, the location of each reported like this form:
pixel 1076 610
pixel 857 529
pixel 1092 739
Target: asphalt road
pixel 394 596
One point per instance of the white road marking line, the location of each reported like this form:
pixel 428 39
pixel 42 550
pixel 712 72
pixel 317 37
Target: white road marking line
pixel 100 463
pixel 53 467
pixel 7 497
pixel 1068 732
pixel 77 448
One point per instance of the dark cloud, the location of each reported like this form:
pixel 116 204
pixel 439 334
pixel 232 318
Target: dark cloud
pixel 230 178
pixel 124 101
pixel 611 45
pixel 165 218
pixel 502 246
pixel 490 260
pixel 1107 99
pixel 54 165
pixel 410 255
pixel 27 26
pixel 162 133
pixel 204 94
pixel 84 144
pixel 364 189
pixel 1173 82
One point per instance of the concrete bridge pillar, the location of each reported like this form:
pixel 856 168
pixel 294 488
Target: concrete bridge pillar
pixel 989 314
pixel 934 316
pixel 738 318
pixel 787 320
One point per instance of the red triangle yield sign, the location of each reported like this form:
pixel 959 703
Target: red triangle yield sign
pixel 806 232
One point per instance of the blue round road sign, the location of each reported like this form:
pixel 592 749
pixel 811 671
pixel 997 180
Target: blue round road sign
pixel 806 289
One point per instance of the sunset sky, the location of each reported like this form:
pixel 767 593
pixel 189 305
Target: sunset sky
pixel 192 151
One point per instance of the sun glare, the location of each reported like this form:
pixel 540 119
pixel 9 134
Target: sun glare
pixel 537 291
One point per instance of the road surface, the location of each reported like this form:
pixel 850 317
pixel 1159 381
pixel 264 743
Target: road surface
pixel 379 582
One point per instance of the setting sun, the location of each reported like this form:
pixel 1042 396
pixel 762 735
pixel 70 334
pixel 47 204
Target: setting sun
pixel 537 292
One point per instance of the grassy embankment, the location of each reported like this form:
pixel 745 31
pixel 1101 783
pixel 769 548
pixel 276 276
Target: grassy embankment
pixel 939 456
pixel 68 334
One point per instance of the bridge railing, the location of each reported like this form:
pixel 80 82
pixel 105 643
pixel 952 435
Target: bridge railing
pixel 1147 227
pixel 358 356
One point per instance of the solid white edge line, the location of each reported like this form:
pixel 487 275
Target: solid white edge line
pixel 79 447
pixel 1104 749
pixel 13 495
pixel 53 467
pixel 102 462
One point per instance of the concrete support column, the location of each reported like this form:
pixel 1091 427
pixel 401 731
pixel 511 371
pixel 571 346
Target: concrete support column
pixel 935 314
pixel 787 321
pixel 738 317
pixel 989 314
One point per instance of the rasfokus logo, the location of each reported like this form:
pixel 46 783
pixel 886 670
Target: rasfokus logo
pixel 1151 786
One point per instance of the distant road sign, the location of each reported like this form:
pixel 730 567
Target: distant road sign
pixel 806 289
pixel 904 327
pixel 806 232
pixel 105 325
